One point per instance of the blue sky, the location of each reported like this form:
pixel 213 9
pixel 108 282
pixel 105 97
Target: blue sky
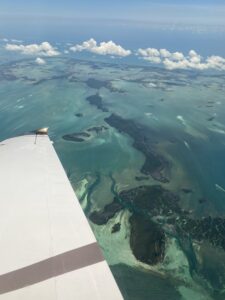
pixel 162 10
pixel 175 24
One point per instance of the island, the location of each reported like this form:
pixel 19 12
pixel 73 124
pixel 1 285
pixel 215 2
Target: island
pixel 84 135
pixel 156 213
pixel 155 164
pixel 96 100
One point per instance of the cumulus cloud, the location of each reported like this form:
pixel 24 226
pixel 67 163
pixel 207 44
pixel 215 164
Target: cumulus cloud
pixel 40 61
pixel 153 59
pixel 217 62
pixel 104 48
pixel 43 49
pixel 177 60
pixel 194 57
pixel 164 53
pixel 150 54
pixel 177 56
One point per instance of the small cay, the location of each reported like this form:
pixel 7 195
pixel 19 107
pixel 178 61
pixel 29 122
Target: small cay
pixel 85 135
pixel 96 100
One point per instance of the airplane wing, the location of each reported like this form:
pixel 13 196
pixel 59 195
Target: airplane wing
pixel 47 248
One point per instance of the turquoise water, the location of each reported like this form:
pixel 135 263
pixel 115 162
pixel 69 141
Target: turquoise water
pixel 184 112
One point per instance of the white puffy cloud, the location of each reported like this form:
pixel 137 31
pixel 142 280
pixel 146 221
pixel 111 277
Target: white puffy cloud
pixel 194 61
pixel 44 49
pixel 104 48
pixel 177 56
pixel 193 53
pixel 164 53
pixel 88 45
pixel 153 59
pixel 171 64
pixel 40 61
pixel 217 62
pixel 194 57
pixel 177 60
pixel 149 52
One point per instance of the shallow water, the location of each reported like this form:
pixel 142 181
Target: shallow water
pixel 184 113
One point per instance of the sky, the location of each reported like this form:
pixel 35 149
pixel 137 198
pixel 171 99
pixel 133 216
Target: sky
pixel 176 25
pixel 198 11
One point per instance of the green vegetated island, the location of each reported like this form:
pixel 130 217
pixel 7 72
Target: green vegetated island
pixel 156 211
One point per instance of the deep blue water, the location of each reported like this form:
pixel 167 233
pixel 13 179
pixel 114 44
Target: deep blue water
pixel 132 35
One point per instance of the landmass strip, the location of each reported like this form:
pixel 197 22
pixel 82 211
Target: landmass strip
pixel 155 164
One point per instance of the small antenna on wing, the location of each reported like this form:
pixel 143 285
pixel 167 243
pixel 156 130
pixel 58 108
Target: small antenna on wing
pixel 41 131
